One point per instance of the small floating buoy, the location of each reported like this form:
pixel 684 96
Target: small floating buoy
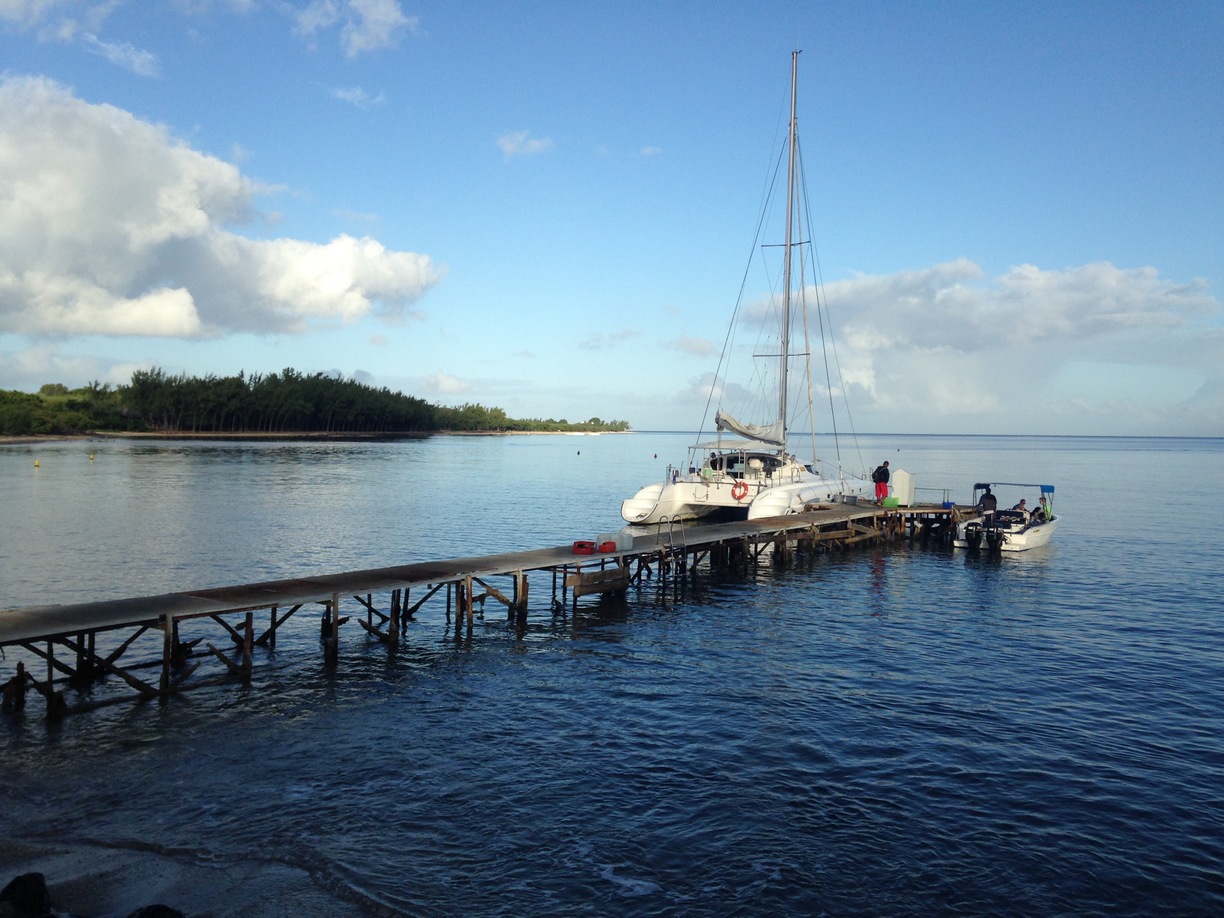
pixel 91 457
pixel 35 463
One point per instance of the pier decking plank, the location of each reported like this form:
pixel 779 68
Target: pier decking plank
pixel 63 636
pixel 45 622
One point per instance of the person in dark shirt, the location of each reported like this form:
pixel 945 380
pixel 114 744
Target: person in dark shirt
pixel 988 504
pixel 880 477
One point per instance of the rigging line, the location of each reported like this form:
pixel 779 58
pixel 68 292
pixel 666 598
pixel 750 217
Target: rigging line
pixel 831 341
pixel 803 306
pixel 807 351
pixel 825 334
pixel 739 299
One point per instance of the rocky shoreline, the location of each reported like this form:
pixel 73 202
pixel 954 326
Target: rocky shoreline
pixel 28 896
pixel 116 879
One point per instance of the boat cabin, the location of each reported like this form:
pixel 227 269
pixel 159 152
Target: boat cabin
pixel 741 464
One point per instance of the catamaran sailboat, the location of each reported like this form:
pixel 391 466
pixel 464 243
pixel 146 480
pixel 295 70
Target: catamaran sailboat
pixel 748 470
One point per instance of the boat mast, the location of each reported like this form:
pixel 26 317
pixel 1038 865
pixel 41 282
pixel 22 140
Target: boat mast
pixel 786 258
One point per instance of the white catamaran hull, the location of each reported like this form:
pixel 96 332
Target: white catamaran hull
pixel 694 497
pixel 793 498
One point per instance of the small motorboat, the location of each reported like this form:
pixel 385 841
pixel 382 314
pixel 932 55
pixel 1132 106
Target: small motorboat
pixel 1016 529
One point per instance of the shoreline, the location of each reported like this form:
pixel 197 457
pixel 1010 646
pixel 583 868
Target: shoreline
pixel 301 436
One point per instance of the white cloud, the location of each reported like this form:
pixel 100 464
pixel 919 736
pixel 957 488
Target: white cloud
pixel 699 347
pixel 948 305
pixel 121 54
pixel 110 226
pixel 374 24
pixel 42 363
pixel 521 143
pixel 72 20
pixel 26 13
pixel 598 341
pixel 365 25
pixel 201 7
pixel 315 17
pixel 946 342
pixel 443 384
pixel 358 97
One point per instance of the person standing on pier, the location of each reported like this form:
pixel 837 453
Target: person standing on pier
pixel 880 477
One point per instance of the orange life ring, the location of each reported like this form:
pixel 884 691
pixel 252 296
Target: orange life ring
pixel 739 490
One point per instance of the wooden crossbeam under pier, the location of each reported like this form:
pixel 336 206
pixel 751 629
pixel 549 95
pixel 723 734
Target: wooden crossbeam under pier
pixel 665 551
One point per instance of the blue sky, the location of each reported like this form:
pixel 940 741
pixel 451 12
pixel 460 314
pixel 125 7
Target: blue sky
pixel 548 207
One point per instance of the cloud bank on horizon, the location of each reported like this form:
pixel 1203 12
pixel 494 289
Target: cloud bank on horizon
pixel 123 244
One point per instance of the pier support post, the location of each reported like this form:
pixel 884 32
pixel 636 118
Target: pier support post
pixel 394 620
pixel 55 699
pixel 520 595
pixel 248 646
pixel 781 552
pixel 331 642
pixel 84 667
pixel 15 691
pixel 469 605
pixel 167 654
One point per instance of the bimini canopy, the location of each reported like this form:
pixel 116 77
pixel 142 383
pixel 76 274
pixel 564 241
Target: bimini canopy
pixel 981 486
pixel 774 434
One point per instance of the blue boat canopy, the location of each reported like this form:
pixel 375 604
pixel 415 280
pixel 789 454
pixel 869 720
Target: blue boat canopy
pixel 982 485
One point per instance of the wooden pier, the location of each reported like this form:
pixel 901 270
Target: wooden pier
pixel 144 646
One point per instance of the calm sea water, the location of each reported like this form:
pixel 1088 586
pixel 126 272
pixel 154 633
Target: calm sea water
pixel 890 732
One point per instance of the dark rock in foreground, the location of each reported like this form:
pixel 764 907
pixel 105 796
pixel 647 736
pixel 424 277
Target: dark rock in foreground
pixel 27 896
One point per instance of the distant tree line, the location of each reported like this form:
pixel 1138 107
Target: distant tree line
pixel 284 403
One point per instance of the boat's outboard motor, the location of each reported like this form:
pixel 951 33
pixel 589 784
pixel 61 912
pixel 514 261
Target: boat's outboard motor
pixel 973 536
pixel 994 540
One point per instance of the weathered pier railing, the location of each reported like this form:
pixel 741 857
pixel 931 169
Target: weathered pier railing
pixel 143 645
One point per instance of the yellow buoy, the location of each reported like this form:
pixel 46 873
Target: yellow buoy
pixel 35 463
pixel 91 457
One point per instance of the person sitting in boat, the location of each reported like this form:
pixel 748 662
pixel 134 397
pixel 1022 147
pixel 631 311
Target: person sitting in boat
pixel 1022 509
pixel 1042 513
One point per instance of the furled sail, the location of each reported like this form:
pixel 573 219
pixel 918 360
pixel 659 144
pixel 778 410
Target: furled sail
pixel 773 434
